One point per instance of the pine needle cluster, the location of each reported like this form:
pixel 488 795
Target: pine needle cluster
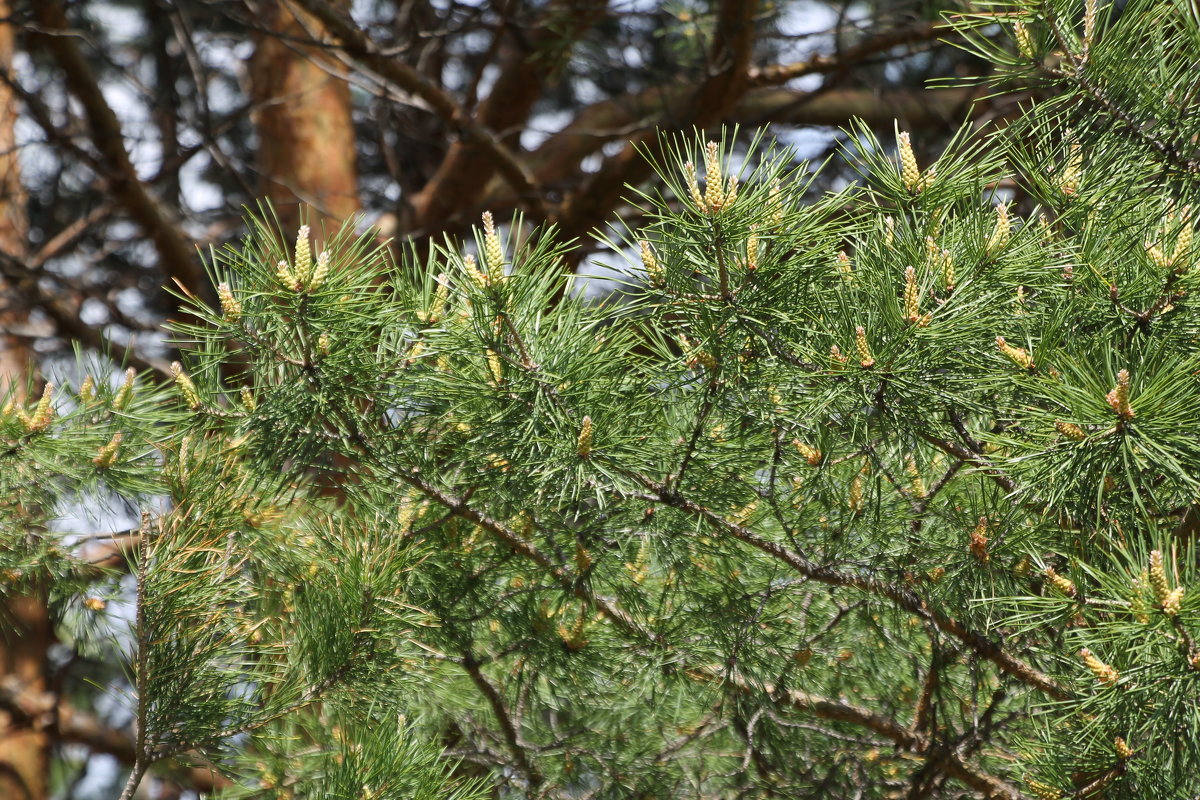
pixel 892 490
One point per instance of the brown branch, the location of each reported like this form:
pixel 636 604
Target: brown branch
pixel 556 162
pixel 991 786
pixel 729 62
pixel 968 457
pixel 520 545
pixel 511 737
pixel 37 109
pixel 29 708
pixel 923 714
pixel 177 258
pixel 69 235
pixel 65 723
pixel 557 159
pixel 66 317
pixel 775 74
pixel 103 555
pixel 1089 790
pixel 898 595
pixel 1139 129
pixel 929 108
pixel 521 77
pixel 988 784
pixel 708 726
pixel 939 484
pixel 358 46
pixel 821 707
pixel 971 454
pixel 903 737
pixel 142 757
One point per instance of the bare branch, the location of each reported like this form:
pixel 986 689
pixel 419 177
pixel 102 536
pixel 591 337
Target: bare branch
pixel 775 74
pixel 511 737
pixel 348 36
pixel 177 258
pixel 66 317
pixel 729 62
pixel 67 724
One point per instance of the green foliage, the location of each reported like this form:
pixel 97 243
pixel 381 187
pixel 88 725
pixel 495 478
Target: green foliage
pixel 891 491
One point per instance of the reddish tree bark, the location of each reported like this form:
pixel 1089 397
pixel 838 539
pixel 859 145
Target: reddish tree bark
pixel 24 621
pixel 24 750
pixel 524 68
pixel 307 149
pixel 14 355
pixel 729 63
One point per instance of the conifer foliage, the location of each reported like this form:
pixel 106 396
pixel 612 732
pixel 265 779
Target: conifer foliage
pixel 887 492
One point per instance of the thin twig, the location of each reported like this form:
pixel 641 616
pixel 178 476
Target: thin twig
pixel 902 597
pixel 507 725
pixel 141 676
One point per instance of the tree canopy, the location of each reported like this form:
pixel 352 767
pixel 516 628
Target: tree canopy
pixel 882 487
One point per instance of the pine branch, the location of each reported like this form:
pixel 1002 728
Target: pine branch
pixel 511 737
pixel 1138 129
pixel 899 596
pixel 827 709
pixel 901 736
pixel 142 757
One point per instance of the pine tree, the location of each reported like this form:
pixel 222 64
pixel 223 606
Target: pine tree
pixel 886 492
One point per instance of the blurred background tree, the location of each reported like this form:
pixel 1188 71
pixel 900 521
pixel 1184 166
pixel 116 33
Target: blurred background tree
pixel 144 128
pixel 133 132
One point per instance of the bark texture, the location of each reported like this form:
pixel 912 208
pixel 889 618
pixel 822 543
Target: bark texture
pixel 303 116
pixel 25 631
pixel 14 353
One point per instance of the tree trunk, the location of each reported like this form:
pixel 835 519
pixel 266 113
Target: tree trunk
pixel 13 315
pixel 303 117
pixel 24 750
pixel 24 621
